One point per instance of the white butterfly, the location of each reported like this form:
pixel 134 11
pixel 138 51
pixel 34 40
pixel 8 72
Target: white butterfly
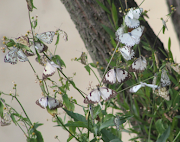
pixel 131 19
pixel 175 67
pixel 117 122
pixel 135 88
pixel 43 60
pixel 130 38
pixel 116 75
pixel 119 32
pixel 164 93
pixel 46 37
pixel 165 81
pixel 49 69
pixel 127 52
pixel 52 103
pixel 139 65
pixel 164 23
pixel 5 119
pixel 15 54
pixel 40 47
pixel 95 95
pixel 83 58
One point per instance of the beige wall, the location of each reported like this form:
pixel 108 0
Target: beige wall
pixel 52 15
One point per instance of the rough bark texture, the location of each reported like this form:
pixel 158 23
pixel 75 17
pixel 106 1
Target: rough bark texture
pixel 176 15
pixel 88 17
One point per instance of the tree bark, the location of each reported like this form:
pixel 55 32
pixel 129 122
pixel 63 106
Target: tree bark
pixel 176 15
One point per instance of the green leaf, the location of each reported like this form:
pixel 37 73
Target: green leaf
pixel 10 43
pixel 107 135
pixel 13 118
pixel 165 54
pixel 77 124
pixel 57 59
pixel 72 129
pixel 36 125
pixel 116 140
pixel 75 116
pixel 109 31
pixel 147 48
pixel 70 138
pixel 87 68
pixel 164 136
pixel 31 139
pixel 177 116
pixel 68 104
pixel 159 126
pixel 107 123
pixel 39 137
pixel 164 29
pixel 169 49
pixel 1 108
pixel 57 40
pixel 93 65
pixel 103 7
pixel 114 15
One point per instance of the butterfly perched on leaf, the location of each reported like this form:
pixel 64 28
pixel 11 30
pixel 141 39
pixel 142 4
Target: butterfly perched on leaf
pixel 14 55
pixel 116 75
pixel 5 119
pixel 139 65
pixel 95 95
pixel 49 69
pixel 165 81
pixel 130 38
pixel 23 40
pixel 131 19
pixel 127 52
pixel 164 93
pixel 46 37
pixel 135 88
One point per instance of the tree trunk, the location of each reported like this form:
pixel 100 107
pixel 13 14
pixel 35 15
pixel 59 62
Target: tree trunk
pixel 89 17
pixel 176 15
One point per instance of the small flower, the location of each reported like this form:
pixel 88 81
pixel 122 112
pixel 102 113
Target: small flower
pixel 33 133
pixel 97 63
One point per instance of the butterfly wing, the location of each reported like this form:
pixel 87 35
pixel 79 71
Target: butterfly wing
pixel 135 88
pixel 131 23
pixel 110 77
pixel 21 56
pixel 119 31
pixel 93 97
pixel 137 13
pixel 43 60
pixel 107 93
pixel 122 75
pixel 83 58
pixel 42 102
pixel 46 37
pixel 127 52
pixel 49 70
pixel 165 81
pixel 53 103
pixel 40 47
pixel 127 39
pixel 137 33
pixel 151 86
pixel 11 56
pixel 139 65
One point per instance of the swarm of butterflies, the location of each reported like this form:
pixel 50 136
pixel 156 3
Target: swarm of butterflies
pixel 119 75
pixel 23 48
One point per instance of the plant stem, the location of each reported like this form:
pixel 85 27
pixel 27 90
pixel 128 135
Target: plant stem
pixel 176 137
pixel 95 75
pixel 21 129
pixel 109 62
pixel 71 83
pixel 22 109
pixel 66 128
